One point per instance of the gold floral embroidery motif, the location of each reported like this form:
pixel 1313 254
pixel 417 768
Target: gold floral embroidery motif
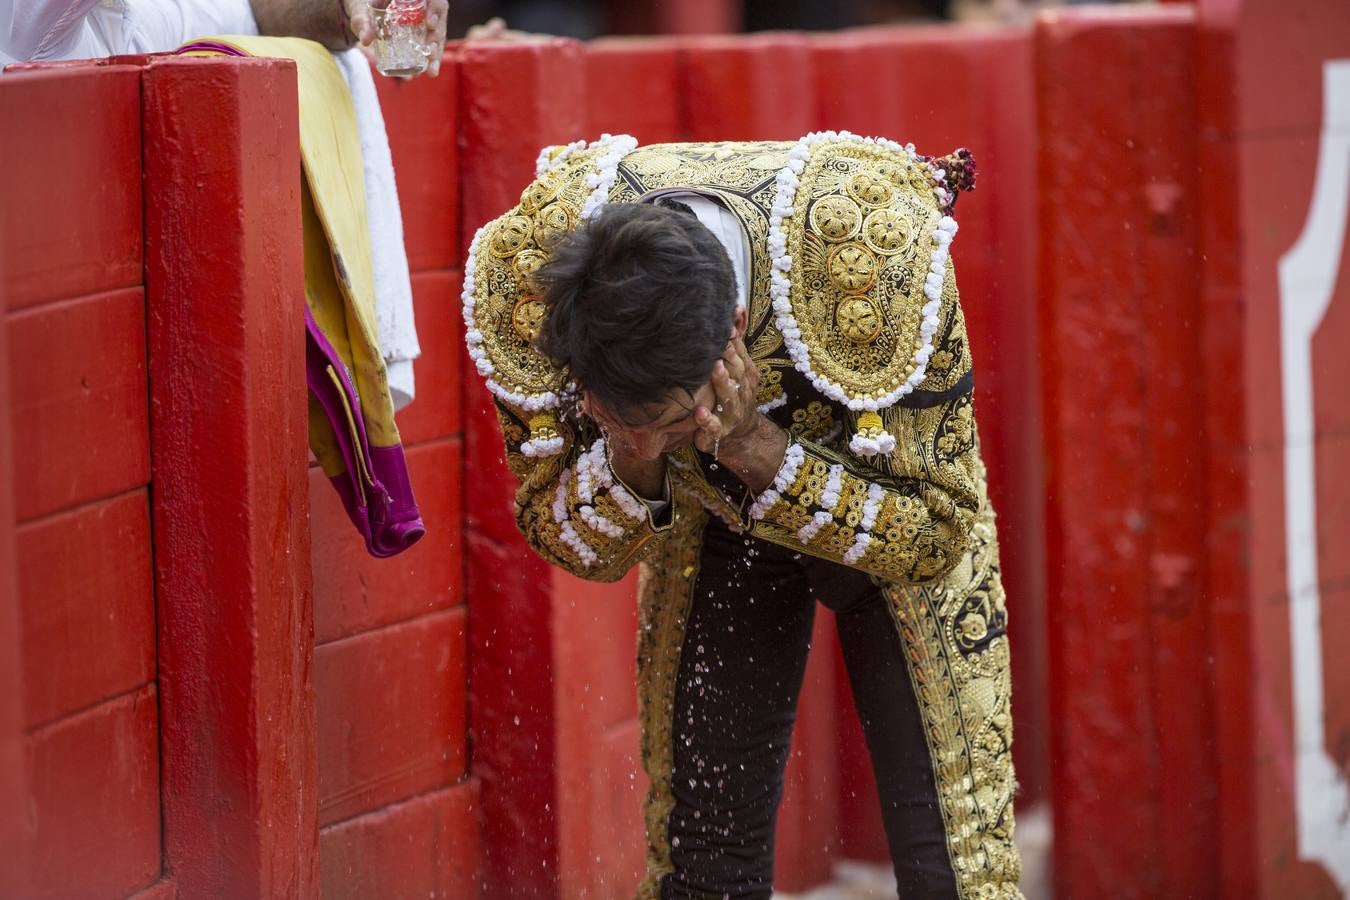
pixel 887 232
pixel 770 380
pixel 859 320
pixel 813 422
pixel 836 218
pixel 958 430
pixel 853 268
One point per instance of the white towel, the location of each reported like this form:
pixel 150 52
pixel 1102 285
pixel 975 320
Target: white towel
pixel 389 258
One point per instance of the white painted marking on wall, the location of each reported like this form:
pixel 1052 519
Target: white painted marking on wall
pixel 1307 275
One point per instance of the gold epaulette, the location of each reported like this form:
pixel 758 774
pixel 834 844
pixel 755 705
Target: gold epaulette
pixel 503 308
pixel 859 235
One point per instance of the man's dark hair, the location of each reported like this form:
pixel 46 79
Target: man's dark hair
pixel 640 302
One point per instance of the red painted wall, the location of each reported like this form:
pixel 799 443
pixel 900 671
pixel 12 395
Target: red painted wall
pixel 1120 318
pixel 76 423
pixel 396 802
pixel 1261 71
pixel 1162 323
pixel 1118 266
pixel 391 791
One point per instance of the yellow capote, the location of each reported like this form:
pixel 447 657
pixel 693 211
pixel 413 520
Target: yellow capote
pixel 351 411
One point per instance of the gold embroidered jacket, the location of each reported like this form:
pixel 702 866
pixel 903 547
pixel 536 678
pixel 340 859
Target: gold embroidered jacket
pixel 854 321
pixel 856 326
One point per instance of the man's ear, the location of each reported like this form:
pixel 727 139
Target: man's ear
pixel 739 323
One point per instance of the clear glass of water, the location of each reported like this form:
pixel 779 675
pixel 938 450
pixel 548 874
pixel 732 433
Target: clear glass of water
pixel 400 36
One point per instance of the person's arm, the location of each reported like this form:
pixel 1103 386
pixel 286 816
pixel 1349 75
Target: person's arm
pixel 906 516
pixel 572 508
pixel 325 21
pixel 39 29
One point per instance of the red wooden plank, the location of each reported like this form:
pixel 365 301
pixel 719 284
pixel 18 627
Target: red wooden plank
pixel 1271 56
pixel 13 779
pixel 421 117
pixel 515 99
pixel 621 835
pixel 87 598
pixel 71 182
pixel 747 88
pixel 595 630
pixel 1226 484
pixel 392 714
pixel 164 889
pixel 354 591
pixel 924 85
pixel 79 404
pixel 428 846
pixel 1183 731
pixel 631 88
pixel 594 636
pixel 603 848
pixel 95 794
pixel 1116 526
pixel 437 412
pixel 231 535
pixel 1096 549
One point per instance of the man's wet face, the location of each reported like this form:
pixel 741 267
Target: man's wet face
pixel 656 429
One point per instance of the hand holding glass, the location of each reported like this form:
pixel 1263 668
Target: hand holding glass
pixel 400 36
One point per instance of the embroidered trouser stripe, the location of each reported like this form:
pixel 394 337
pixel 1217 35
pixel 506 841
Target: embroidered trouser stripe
pixel 665 593
pixel 956 647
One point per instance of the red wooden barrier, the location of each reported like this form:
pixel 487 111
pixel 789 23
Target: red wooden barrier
pixel 397 808
pixel 1120 320
pixel 514 100
pixel 807 834
pixel 116 648
pixel 747 88
pixel 601 840
pixel 421 117
pixel 1263 78
pixel 77 416
pixel 13 781
pixel 76 206
pixel 424 847
pixel 632 87
pixel 228 432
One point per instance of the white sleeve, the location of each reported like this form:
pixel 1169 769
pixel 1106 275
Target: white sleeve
pixel 41 29
pixel 161 25
pixel 723 224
